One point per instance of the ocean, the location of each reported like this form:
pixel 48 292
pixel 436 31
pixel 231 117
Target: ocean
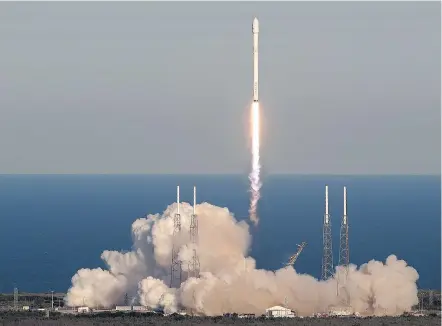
pixel 53 225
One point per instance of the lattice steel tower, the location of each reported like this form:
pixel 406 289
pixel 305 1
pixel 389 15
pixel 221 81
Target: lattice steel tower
pixel 344 251
pixel 194 264
pixel 175 268
pixel 327 256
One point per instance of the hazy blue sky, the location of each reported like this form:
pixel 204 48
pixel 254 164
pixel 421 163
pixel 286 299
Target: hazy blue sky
pixel 345 87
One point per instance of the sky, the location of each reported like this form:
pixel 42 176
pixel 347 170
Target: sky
pixel 345 88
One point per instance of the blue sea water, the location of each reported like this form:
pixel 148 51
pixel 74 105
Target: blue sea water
pixel 52 225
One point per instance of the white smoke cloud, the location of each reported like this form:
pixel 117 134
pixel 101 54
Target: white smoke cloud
pixel 229 280
pixel 155 293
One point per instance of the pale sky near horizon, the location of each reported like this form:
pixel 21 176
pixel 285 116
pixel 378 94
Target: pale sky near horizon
pixel 345 88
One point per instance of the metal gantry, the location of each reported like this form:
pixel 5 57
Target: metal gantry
pixel 295 256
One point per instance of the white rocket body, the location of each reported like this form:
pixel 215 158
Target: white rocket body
pixel 255 31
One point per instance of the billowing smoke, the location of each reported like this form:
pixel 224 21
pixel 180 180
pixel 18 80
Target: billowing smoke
pixel 229 280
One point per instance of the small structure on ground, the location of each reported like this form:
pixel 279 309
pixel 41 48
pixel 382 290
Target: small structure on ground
pixel 340 311
pixel 83 310
pixel 279 311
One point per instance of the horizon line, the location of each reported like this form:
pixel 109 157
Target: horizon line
pixel 224 174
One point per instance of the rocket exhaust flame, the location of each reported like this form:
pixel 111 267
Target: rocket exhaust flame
pixel 255 182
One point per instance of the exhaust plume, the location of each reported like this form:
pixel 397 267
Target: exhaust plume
pixel 255 182
pixel 229 280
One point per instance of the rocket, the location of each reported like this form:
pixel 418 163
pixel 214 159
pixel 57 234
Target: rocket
pixel 255 32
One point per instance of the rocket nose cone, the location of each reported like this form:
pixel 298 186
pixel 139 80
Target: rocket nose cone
pixel 255 25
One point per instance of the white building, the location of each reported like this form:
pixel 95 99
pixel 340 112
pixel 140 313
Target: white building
pixel 123 308
pixel 83 310
pixel 139 308
pixel 341 311
pixel 279 311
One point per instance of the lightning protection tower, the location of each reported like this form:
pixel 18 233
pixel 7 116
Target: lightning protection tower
pixel 344 251
pixel 327 256
pixel 175 269
pixel 194 264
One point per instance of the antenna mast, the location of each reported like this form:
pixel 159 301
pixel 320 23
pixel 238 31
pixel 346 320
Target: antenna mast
pixel 15 298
